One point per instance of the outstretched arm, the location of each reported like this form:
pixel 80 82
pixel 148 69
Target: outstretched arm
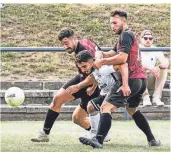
pixel 75 88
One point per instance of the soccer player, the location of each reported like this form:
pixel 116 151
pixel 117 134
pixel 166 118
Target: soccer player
pixel 106 77
pixel 125 51
pixel 73 46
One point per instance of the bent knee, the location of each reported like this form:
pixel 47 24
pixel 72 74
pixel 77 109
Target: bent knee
pixel 76 119
pixel 107 107
pixel 56 103
pixel 131 111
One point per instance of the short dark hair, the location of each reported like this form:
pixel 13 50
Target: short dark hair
pixel 119 12
pixel 65 32
pixel 83 56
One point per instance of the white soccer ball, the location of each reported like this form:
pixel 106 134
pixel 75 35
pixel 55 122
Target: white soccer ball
pixel 14 96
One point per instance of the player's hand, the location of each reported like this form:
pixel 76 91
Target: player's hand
pixel 97 63
pixel 90 90
pixel 125 89
pixel 72 89
pixel 155 71
pixel 116 67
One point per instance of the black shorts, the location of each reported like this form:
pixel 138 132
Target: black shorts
pixel 81 93
pixel 137 87
pixel 97 102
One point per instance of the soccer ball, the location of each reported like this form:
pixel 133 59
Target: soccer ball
pixel 14 96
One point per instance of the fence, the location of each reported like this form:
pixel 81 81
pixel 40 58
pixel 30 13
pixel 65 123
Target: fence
pixel 60 49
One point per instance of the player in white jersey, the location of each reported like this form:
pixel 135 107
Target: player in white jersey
pixel 106 77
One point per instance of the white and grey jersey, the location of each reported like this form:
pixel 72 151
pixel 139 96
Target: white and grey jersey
pixel 104 78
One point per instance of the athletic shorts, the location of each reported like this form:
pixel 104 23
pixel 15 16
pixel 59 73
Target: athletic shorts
pixel 81 93
pixel 97 102
pixel 137 87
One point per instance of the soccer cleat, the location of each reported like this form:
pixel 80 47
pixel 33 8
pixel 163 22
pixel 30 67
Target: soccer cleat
pixel 154 143
pixel 158 101
pixel 107 138
pixel 90 135
pixel 42 137
pixel 146 101
pixel 91 142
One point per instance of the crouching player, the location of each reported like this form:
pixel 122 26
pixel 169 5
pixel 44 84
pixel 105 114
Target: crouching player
pixel 105 77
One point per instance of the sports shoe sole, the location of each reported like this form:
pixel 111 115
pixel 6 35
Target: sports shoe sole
pixel 155 144
pixel 89 142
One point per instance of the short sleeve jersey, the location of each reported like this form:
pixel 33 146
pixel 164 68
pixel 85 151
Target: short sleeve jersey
pixel 128 44
pixel 104 78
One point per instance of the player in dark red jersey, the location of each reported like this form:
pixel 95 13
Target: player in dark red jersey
pixel 73 46
pixel 125 51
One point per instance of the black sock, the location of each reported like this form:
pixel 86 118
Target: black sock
pixel 49 120
pixel 88 129
pixel 104 126
pixel 142 123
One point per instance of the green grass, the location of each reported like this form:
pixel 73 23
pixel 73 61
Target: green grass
pixel 126 137
pixel 29 25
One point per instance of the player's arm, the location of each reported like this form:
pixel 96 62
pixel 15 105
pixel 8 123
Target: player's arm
pixel 110 53
pixel 121 58
pixel 90 90
pixel 124 73
pixel 87 82
pixel 101 54
pixel 75 88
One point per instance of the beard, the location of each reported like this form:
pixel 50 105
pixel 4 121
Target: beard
pixel 84 73
pixel 119 31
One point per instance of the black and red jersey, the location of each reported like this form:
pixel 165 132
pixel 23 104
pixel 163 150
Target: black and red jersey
pixel 129 44
pixel 85 44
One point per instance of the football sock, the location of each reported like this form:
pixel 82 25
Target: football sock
pixel 49 120
pixel 142 123
pixel 94 121
pixel 104 126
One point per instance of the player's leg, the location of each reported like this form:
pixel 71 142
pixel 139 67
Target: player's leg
pixel 80 114
pixel 103 129
pixel 113 100
pixel 80 117
pixel 84 102
pixel 140 120
pixel 53 112
pixel 93 110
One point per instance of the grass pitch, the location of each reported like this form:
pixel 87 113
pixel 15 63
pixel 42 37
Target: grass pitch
pixel 126 137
